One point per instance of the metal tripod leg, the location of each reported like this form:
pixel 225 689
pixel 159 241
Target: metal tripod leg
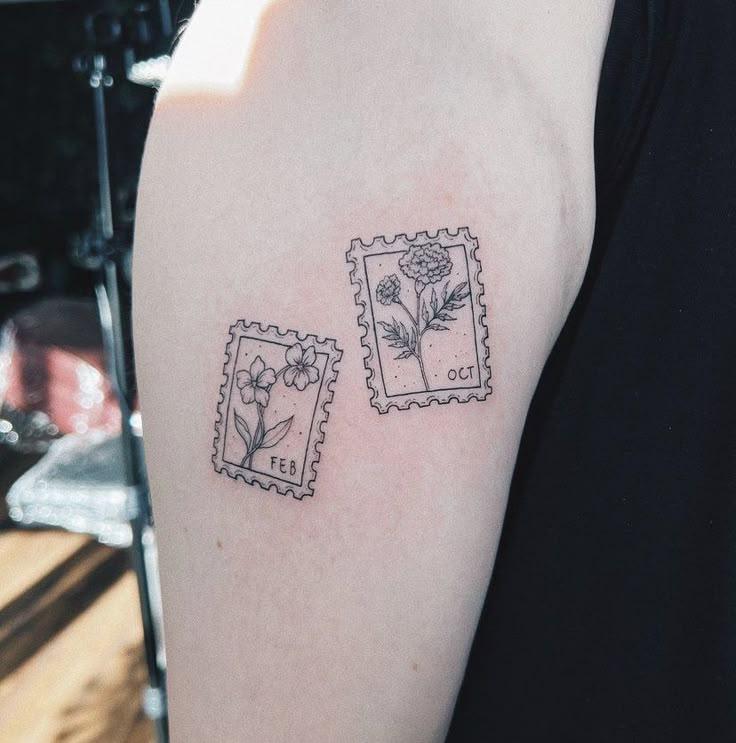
pixel 119 352
pixel 119 364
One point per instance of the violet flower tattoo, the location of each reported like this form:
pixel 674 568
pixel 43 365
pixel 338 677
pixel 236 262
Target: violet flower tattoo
pixel 255 387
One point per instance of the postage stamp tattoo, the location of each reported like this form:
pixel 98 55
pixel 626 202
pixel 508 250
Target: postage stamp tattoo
pixel 425 336
pixel 273 407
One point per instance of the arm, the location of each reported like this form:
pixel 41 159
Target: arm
pixel 283 133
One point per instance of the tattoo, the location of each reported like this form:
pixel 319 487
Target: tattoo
pixel 425 335
pixel 272 410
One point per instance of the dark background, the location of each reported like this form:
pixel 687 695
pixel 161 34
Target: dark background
pixel 48 157
pixel 48 176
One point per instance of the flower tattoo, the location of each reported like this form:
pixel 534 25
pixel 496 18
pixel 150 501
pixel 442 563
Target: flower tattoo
pixel 255 387
pixel 273 407
pixel 422 318
pixel 388 290
pixel 427 265
pixel 255 383
pixel 300 370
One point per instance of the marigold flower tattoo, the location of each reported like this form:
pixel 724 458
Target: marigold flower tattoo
pixel 426 264
pixel 389 289
pixel 422 316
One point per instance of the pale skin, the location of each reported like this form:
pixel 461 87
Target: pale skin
pixel 284 131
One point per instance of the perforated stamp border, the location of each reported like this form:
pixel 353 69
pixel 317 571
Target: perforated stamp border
pixel 402 242
pixel 317 432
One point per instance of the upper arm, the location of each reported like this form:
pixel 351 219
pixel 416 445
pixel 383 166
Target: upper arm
pixel 348 615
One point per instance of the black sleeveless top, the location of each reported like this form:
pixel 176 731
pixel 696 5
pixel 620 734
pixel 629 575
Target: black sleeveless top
pixel 611 614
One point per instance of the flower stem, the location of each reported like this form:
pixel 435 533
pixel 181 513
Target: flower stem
pixel 418 350
pixel 257 440
pixel 260 428
pixel 418 354
pixel 411 317
pixel 278 374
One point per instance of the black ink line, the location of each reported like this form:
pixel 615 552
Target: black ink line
pixel 267 474
pixel 394 252
pixel 373 318
pixel 314 413
pixel 472 311
pixel 230 396
pixel 435 389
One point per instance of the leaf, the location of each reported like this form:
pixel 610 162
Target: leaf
pixel 460 292
pixel 433 301
pixel 395 331
pixel 275 434
pixel 392 337
pixel 404 355
pixel 242 428
pixel 425 311
pixel 451 302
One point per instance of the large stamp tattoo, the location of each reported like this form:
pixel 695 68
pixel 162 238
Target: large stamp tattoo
pixel 425 336
pixel 273 407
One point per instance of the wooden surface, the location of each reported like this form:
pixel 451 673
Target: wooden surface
pixel 71 662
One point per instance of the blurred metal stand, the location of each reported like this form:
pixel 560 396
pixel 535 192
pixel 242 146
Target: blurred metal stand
pixel 99 250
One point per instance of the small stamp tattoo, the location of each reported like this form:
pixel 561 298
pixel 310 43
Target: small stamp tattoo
pixel 425 335
pixel 273 407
